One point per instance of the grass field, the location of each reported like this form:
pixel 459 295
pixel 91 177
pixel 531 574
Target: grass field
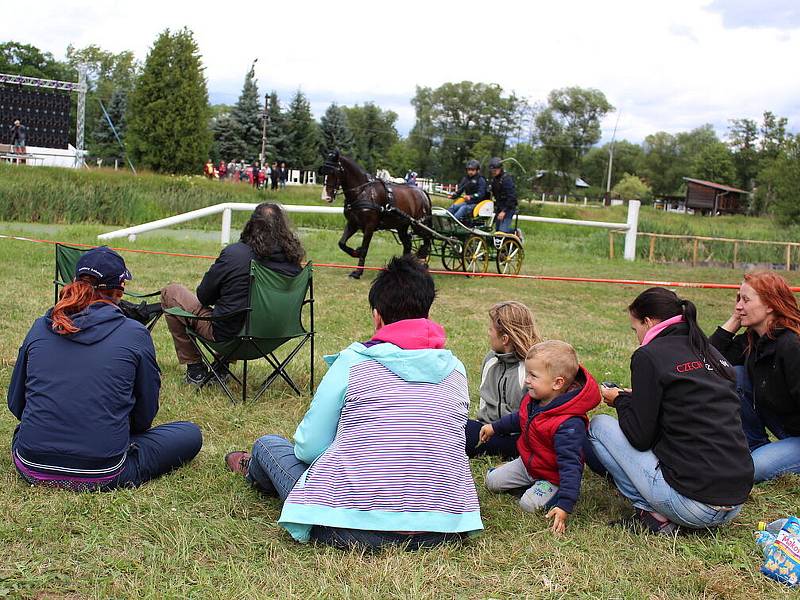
pixel 200 532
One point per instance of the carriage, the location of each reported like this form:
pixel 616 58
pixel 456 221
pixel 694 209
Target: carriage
pixel 471 245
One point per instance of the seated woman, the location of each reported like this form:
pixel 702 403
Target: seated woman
pixel 378 459
pixel 767 359
pixel 677 452
pixel 85 389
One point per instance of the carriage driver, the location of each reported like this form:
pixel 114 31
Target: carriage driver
pixel 473 187
pixel 504 193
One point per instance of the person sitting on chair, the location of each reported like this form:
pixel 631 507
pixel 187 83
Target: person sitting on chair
pixel 266 238
pixel 473 187
pixel 504 193
pixel 85 388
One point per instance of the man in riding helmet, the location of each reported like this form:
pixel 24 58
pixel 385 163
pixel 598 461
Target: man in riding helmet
pixel 504 193
pixel 474 189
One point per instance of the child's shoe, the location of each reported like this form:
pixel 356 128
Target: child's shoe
pixel 538 496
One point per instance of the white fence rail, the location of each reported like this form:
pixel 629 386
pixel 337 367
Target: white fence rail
pixel 630 228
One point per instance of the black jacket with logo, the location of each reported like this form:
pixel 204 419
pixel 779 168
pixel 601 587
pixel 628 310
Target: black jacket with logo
pixel 504 193
pixel 473 188
pixel 689 416
pixel 227 283
pixel 773 367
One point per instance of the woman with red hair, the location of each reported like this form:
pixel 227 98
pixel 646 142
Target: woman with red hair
pixel 767 360
pixel 85 389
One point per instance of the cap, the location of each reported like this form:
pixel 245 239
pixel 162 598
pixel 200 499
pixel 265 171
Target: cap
pixel 496 163
pixel 473 164
pixel 104 264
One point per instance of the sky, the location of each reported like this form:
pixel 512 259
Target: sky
pixel 665 65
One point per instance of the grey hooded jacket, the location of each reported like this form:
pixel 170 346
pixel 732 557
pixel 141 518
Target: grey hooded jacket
pixel 502 386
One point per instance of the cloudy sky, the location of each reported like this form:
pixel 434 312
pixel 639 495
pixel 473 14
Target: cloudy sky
pixel 667 66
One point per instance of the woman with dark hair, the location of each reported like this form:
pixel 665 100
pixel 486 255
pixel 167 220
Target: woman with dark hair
pixel 767 361
pixel 677 451
pixel 85 389
pixel 266 238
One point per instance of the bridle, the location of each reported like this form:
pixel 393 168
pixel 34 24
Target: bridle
pixel 330 167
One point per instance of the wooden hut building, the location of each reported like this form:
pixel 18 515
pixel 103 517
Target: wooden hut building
pixel 709 198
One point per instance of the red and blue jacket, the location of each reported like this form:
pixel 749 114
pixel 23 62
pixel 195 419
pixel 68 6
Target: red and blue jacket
pixel 553 436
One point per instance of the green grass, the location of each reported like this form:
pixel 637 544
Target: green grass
pixel 201 532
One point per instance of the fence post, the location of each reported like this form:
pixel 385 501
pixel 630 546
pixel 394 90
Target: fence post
pixel 652 247
pixel 611 244
pixel 633 227
pixel 225 235
pixel 735 253
pixel 788 257
pixel 694 253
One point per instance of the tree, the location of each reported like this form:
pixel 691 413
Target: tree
pixel 228 144
pixel 302 134
pixel 27 60
pixel 276 130
pixel 246 118
pixel 335 132
pixel 455 117
pixel 373 134
pixel 714 163
pixel 742 139
pixel 628 158
pixel 105 144
pixel 661 167
pixel 568 126
pixel 400 158
pixel 781 180
pixel 168 122
pixel 631 187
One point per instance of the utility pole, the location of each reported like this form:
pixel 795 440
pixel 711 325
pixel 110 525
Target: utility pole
pixel 611 161
pixel 264 117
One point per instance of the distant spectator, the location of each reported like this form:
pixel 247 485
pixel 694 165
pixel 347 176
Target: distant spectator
pixel 208 169
pixel 255 169
pixel 274 176
pixel 19 134
pixel 222 169
pixel 411 178
pixel 284 175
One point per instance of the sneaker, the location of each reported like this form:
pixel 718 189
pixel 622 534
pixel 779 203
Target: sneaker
pixel 644 521
pixel 238 462
pixel 196 374
pixel 222 370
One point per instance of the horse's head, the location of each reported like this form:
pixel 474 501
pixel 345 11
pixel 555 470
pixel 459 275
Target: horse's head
pixel 332 170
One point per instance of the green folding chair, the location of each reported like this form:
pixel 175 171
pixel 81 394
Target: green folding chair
pixel 273 317
pixel 67 258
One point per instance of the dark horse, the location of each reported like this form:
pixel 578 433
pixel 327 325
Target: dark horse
pixel 371 204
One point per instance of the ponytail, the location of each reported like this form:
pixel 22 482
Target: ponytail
pixel 661 304
pixel 75 297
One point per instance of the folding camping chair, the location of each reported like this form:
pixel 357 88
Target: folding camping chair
pixel 273 317
pixel 67 258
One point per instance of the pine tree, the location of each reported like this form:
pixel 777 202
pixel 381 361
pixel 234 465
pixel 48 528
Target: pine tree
pixel 276 130
pixel 106 145
pixel 335 132
pixel 168 127
pixel 246 114
pixel 228 143
pixel 302 134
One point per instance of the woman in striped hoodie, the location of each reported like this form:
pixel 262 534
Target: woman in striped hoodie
pixel 378 460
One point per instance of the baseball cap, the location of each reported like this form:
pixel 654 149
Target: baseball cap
pixel 104 264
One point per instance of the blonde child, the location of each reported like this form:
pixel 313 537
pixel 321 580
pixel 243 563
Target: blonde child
pixel 551 424
pixel 512 331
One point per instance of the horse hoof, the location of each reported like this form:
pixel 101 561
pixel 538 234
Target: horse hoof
pixel 355 275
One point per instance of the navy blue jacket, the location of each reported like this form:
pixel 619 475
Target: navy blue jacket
pixel 474 189
pixel 504 193
pixel 569 442
pixel 80 397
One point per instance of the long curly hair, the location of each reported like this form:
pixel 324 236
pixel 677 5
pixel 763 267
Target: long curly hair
pixel 775 293
pixel 268 230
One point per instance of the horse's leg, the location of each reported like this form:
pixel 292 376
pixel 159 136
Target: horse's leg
pixel 369 229
pixel 349 231
pixel 405 238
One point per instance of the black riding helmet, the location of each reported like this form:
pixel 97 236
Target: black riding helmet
pixel 496 163
pixel 473 164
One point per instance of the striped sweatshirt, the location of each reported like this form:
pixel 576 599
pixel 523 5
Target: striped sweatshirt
pixel 384 437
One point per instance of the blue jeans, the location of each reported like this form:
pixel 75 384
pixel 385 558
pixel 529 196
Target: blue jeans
pixel 274 469
pixel 151 454
pixel 638 476
pixel 462 211
pixel 770 459
pixel 507 224
pixel 499 445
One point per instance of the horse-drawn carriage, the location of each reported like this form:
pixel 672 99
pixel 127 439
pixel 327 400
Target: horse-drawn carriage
pixel 471 245
pixel 372 204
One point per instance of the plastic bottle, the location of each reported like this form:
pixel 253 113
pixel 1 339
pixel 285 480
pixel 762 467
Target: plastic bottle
pixel 773 527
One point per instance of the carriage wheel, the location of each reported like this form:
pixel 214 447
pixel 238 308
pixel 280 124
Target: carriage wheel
pixel 510 255
pixel 476 255
pixel 453 256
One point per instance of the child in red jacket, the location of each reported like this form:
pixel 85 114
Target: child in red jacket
pixel 552 422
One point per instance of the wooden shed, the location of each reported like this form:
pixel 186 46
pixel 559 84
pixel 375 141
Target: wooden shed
pixel 711 198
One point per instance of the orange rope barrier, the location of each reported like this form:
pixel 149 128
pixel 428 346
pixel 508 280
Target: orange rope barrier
pixel 679 284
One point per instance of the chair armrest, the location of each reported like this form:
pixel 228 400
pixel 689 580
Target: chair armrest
pixel 176 311
pixel 138 295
